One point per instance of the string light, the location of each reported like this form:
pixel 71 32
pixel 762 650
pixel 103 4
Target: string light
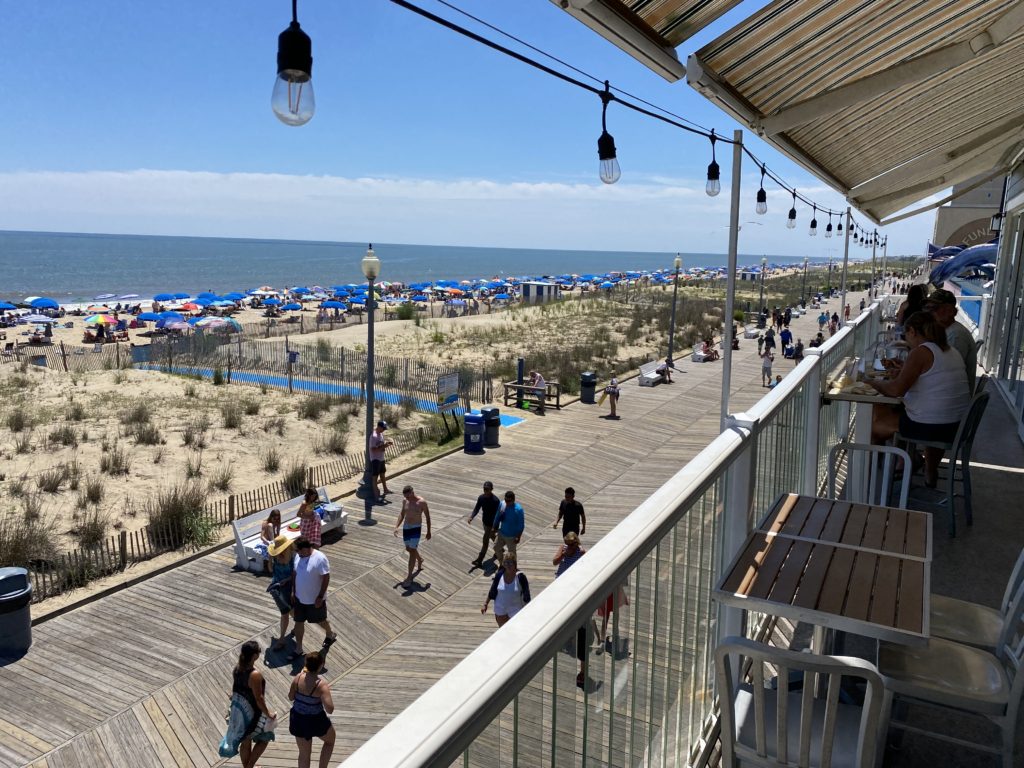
pixel 813 231
pixel 713 186
pixel 791 221
pixel 292 99
pixel 839 227
pixel 762 197
pixel 609 171
pixel 828 229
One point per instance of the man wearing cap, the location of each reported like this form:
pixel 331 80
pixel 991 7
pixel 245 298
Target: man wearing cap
pixel 377 466
pixel 942 305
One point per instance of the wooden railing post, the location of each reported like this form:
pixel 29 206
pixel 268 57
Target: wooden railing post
pixel 123 548
pixel 231 508
pixel 64 356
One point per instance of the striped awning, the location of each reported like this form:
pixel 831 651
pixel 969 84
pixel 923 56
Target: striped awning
pixel 889 102
pixel 649 30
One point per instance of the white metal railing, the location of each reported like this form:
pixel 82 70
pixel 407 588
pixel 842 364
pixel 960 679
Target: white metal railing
pixel 650 700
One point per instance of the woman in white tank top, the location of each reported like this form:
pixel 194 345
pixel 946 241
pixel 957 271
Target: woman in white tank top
pixel 934 388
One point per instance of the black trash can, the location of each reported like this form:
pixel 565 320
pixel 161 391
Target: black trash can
pixel 473 439
pixel 15 617
pixel 492 424
pixel 588 384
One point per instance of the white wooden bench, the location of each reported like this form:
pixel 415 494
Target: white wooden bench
pixel 247 529
pixel 649 375
pixel 698 356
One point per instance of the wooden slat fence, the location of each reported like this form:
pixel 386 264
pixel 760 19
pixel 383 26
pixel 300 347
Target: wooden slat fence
pixel 115 553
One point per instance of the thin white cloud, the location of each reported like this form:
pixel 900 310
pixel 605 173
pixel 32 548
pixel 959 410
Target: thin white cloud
pixel 656 214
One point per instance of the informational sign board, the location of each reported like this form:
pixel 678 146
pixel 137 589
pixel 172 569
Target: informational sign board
pixel 447 392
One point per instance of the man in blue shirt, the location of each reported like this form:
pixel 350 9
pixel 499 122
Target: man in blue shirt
pixel 510 522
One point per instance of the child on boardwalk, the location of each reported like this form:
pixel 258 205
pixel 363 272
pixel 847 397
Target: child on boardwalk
pixel 766 367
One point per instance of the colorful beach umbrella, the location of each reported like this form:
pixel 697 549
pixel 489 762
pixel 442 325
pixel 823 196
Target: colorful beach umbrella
pixel 101 320
pixel 189 306
pixel 98 309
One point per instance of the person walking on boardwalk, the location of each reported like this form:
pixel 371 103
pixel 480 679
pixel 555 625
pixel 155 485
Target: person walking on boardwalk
pixel 250 719
pixel 510 591
pixel 410 520
pixel 311 704
pixel 487 503
pixel 766 367
pixel 309 594
pixel 510 522
pixel 612 393
pixel 283 559
pixel 378 466
pixel 568 553
pixel 571 514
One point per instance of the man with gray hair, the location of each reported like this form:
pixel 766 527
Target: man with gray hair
pixel 942 305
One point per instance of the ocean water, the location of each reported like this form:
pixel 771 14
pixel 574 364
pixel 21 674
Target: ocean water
pixel 77 267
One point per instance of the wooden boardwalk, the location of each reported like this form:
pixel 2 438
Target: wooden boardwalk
pixel 141 678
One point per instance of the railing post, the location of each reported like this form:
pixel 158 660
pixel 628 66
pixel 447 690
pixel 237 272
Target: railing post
pixel 231 508
pixel 123 548
pixel 739 501
pixel 812 419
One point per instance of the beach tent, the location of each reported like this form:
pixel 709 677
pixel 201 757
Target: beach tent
pixel 42 302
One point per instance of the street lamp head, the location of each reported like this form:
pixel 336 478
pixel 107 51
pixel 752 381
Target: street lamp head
pixel 764 262
pixel 370 264
pixel 678 263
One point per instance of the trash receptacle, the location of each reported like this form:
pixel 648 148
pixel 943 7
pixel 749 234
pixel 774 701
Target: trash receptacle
pixel 588 384
pixel 473 441
pixel 492 423
pixel 15 617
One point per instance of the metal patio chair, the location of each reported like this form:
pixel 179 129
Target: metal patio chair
pixel 881 469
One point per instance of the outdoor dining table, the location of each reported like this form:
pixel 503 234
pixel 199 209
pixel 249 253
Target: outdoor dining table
pixel 837 565
pixel 862 399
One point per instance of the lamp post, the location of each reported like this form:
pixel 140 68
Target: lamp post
pixel 678 263
pixel 803 286
pixel 760 302
pixel 371 269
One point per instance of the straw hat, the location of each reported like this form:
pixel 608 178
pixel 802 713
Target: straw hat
pixel 279 545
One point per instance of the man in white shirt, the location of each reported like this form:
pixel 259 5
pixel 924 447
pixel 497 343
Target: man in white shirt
pixel 309 594
pixel 378 467
pixel 942 304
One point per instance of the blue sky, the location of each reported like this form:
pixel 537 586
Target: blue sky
pixel 155 118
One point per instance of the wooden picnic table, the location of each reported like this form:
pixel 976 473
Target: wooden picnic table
pixel 837 565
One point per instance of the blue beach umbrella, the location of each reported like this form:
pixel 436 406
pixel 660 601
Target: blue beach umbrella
pixel 420 297
pixel 105 296
pixel 501 296
pixel 203 302
pixel 44 303
pixel 607 284
pixel 292 307
pixel 5 305
pixel 272 302
pixel 171 316
pixel 234 296
pixel 208 295
pixel 333 305
pixel 456 302
pixel 301 289
pixel 182 295
pixel 194 320
pixel 149 316
pixel 161 297
pixel 129 296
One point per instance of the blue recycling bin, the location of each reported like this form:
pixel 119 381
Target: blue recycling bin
pixel 15 616
pixel 473 433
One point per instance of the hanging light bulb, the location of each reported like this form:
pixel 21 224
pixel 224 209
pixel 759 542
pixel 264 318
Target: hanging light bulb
pixel 791 221
pixel 839 227
pixel 762 198
pixel 610 171
pixel 713 186
pixel 828 229
pixel 292 100
pixel 813 231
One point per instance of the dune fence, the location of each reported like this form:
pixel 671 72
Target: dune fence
pixel 70 570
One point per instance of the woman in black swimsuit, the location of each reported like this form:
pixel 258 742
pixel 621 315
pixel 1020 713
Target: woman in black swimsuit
pixel 248 682
pixel 311 704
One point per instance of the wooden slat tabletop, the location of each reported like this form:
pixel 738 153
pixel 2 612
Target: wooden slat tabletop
pixel 837 564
